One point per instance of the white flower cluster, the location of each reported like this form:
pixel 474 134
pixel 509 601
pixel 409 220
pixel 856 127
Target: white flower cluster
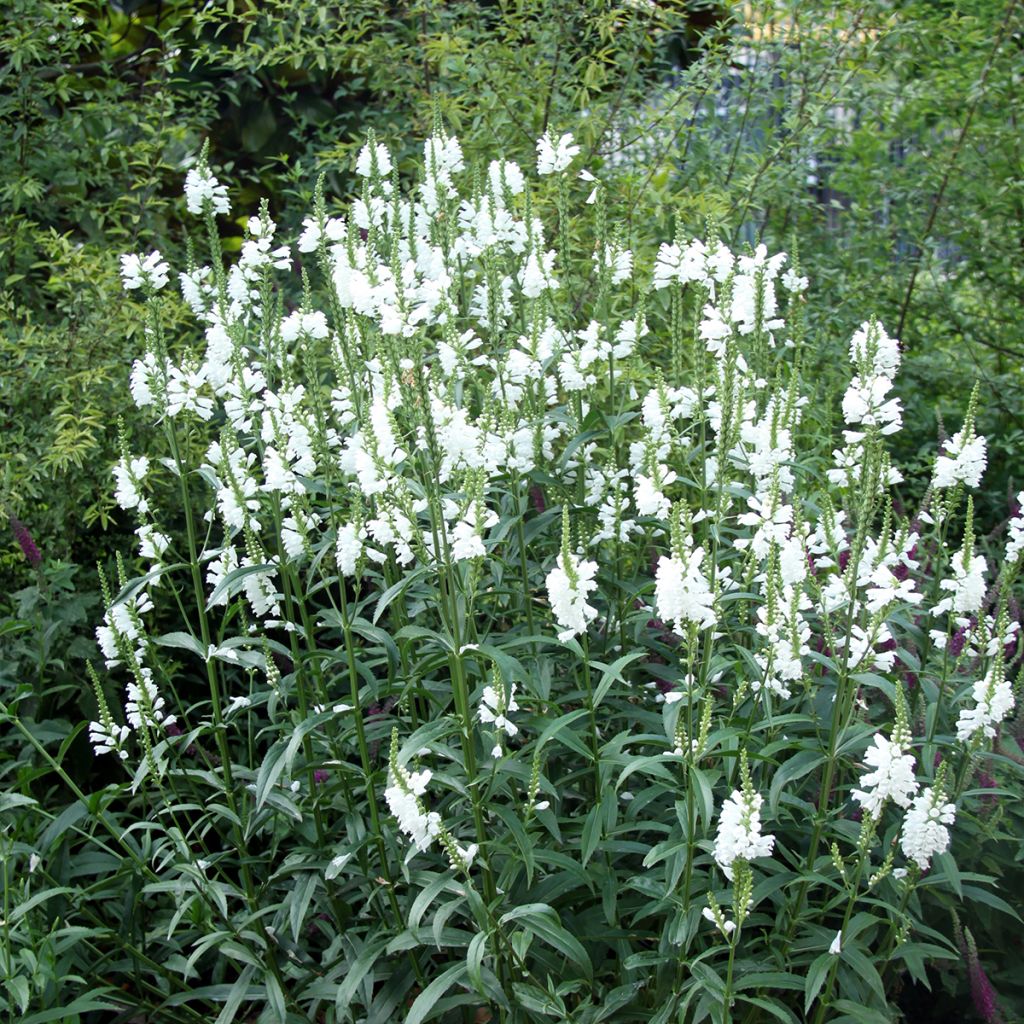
pixel 993 701
pixel 568 585
pixel 739 836
pixel 962 461
pixel 203 191
pixel 924 828
pixel 495 707
pixel 143 271
pixel 402 795
pixel 682 593
pixel 893 777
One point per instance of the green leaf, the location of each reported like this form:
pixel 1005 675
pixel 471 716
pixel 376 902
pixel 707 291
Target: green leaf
pixel 232 583
pixel 185 641
pixel 613 673
pixel 426 1002
pixel 776 1010
pixel 83 1004
pixel 368 956
pixel 593 829
pixel 299 902
pixel 276 1008
pixel 795 768
pixel 475 959
pixel 8 801
pixel 240 991
pixel 979 895
pixel 816 975
pixel 395 589
pixel 71 814
pixel 856 1012
pixel 35 900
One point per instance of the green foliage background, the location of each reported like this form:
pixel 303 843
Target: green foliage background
pixel 906 115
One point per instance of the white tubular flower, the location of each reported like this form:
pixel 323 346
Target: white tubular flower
pixel 993 701
pixel 137 271
pixel 619 262
pixel 555 157
pixel 893 775
pixel 536 275
pixel 682 593
pixel 870 342
pixel 202 188
pixel 108 738
pixel 402 795
pixel 739 828
pixel 152 543
pixel 675 264
pixel 186 392
pixel 130 475
pixel 505 175
pixel 793 282
pixel 143 704
pixel 261 592
pixel 349 547
pixel 364 163
pixel 147 381
pixel 568 586
pixel 1015 533
pixel 495 709
pixel 886 588
pixel 967 587
pixel 963 460
pixel 836 946
pixel 924 828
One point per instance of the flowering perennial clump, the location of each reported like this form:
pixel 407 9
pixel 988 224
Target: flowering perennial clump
pixel 556 514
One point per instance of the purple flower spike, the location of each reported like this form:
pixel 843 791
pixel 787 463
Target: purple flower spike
pixel 537 499
pixel 957 641
pixel 982 992
pixel 26 543
pixel 320 776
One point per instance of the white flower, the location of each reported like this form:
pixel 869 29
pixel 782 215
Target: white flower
pixel 201 187
pixel 1015 533
pixel 682 592
pixel 495 708
pixel 963 461
pixel 893 777
pixel 349 547
pixel 837 944
pixel 555 157
pixel 364 162
pixel 568 587
pixel 619 261
pixel 152 543
pixel 420 826
pixel 505 174
pixel 536 275
pixel 966 588
pixel 108 738
pixel 129 475
pixel 676 265
pixel 924 827
pixel 793 282
pixel 726 927
pixel 739 831
pixel 137 271
pixel 870 342
pixel 143 704
pixel 993 701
